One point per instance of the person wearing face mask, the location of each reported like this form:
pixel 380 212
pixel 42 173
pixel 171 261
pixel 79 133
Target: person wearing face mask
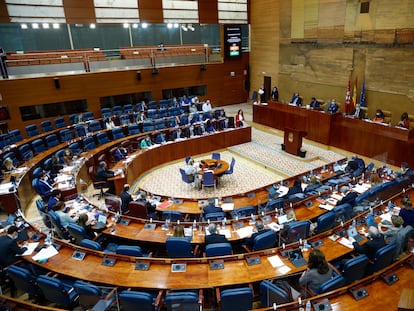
pixel 379 116
pixel 9 248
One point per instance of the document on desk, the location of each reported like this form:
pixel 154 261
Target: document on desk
pixel 227 207
pixel 45 253
pixel 245 232
pixel 30 248
pixel 386 217
pixel 361 188
pixel 345 242
pixel 337 196
pixel 275 261
pixel 226 232
pixel 328 207
pixel 273 226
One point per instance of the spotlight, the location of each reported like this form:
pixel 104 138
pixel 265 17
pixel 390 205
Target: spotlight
pixel 184 27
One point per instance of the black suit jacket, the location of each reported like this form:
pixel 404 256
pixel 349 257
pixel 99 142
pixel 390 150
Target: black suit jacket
pixel 8 250
pixel 349 198
pixel 371 247
pixel 103 175
pixel 215 238
pixel 125 198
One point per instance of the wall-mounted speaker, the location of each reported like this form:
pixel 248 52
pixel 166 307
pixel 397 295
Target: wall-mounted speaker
pixel 57 82
pixel 139 75
pixel 203 67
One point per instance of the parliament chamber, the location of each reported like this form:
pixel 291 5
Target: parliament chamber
pixel 58 94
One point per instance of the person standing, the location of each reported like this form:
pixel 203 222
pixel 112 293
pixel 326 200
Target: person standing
pixel 125 198
pixel 239 118
pixel 9 248
pixel 275 94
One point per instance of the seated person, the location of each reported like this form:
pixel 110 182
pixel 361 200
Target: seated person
pixel 214 236
pixel 55 201
pixel 404 122
pixel 209 126
pixel 239 119
pixel 9 247
pixel 407 212
pixel 405 170
pixel 296 188
pixel 391 231
pixel 375 242
pixel 358 113
pixel 83 222
pixel 317 273
pixel 8 165
pixel 296 100
pixel 375 179
pixel 109 124
pixel 64 218
pixel 141 117
pixel 151 208
pixel 103 174
pixel 259 229
pixel 125 198
pixel 45 188
pixel 193 107
pixel 206 106
pixel 333 107
pixel 314 104
pixel 178 232
pixel 120 153
pixel 349 196
pixel 146 142
pixel 211 207
pixel 379 116
pixel 55 167
pixel 67 156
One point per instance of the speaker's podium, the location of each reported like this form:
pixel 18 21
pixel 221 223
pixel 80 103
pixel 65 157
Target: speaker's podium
pixel 293 142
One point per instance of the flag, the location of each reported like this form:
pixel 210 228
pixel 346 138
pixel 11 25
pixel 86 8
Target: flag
pixel 348 98
pixel 362 98
pixel 354 96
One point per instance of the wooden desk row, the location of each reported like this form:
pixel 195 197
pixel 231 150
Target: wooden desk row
pixel 388 144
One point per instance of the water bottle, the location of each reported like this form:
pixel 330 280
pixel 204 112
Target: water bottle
pixel 308 306
pixel 223 223
pixel 194 225
pixel 353 223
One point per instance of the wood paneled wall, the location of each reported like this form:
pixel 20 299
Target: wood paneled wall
pixel 222 87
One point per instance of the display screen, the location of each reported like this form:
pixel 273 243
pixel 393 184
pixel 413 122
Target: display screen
pixel 233 39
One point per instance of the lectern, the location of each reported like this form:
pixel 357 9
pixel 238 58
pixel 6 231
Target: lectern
pixel 293 141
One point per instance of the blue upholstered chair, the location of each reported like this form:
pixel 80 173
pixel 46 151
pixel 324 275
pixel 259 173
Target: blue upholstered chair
pixel 57 291
pixel 231 168
pixel 117 110
pixel 38 146
pixel 26 152
pixel 60 122
pixel 90 294
pixel 332 284
pixel 164 103
pixel 208 180
pixel 163 113
pixel 355 268
pixel 296 230
pixel 137 300
pixel 46 126
pixel 128 108
pixel 218 249
pixel 124 120
pixel 325 222
pixel 148 126
pixel 178 247
pixel 236 299
pixel 106 112
pixel 152 114
pixel 159 124
pixel 271 293
pixel 244 211
pixel 215 216
pixel 43 213
pixel 343 212
pixel 89 143
pixel 58 229
pixel 95 126
pixel 73 118
pixel 75 148
pixel 31 130
pixel 133 129
pixel 264 240
pixel 77 232
pixel 152 104
pixel 51 140
pixel 5 140
pixel 87 243
pixel 13 157
pixel 16 135
pixel 130 250
pixel 383 257
pixel 88 116
pixel 215 156
pixel 65 135
pixel 172 215
pixel 117 133
pixel 24 280
pixel 102 138
pixel 80 130
pixel 188 300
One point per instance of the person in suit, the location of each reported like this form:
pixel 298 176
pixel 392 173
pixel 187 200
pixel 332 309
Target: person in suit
pixel 296 188
pixel 9 247
pixel 259 229
pixel 358 113
pixel 103 174
pixel 120 153
pixel 296 100
pixel 333 106
pixel 375 242
pixel 214 236
pixel 262 94
pixel 314 104
pixel 211 207
pixel 141 117
pixel 275 94
pixel 45 188
pixel 405 170
pixel 125 198
pixel 151 208
pixel 349 196
pixel 55 200
pixel 407 212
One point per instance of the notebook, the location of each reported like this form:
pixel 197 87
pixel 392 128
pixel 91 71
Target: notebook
pixel 352 232
pixel 296 258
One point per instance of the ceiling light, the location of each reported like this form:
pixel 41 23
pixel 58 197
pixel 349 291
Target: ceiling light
pixel 190 26
pixel 35 26
pixel 56 26
pixel 169 25
pixel 176 25
pixel 45 26
pixel 92 26
pixel 24 26
pixel 184 27
pixel 144 25
pixel 126 25
pixel 134 26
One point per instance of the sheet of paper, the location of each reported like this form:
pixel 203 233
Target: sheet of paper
pixel 245 232
pixel 226 232
pixel 30 248
pixel 273 226
pixel 45 253
pixel 284 269
pixel 227 207
pixel 275 261
pixel 345 242
pixel 326 206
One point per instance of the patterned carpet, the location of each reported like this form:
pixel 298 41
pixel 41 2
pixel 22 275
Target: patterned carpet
pixel 258 163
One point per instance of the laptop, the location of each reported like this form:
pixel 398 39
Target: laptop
pixel 296 258
pixel 9 221
pixel 352 232
pixel 101 221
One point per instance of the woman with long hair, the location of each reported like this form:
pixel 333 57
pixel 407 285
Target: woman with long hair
pixel 317 273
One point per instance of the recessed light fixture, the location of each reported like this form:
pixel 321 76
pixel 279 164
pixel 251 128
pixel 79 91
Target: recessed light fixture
pixel 144 25
pixel 35 26
pixel 45 26
pixel 24 26
pixel 92 26
pixel 169 25
pixel 125 25
pixel 134 26
pixel 56 26
pixel 176 25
